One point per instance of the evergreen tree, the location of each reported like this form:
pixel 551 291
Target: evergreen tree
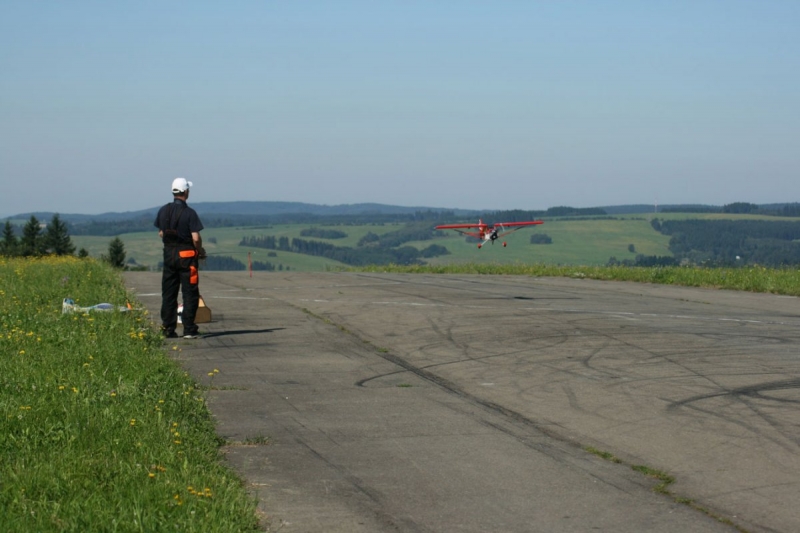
pixel 83 253
pixel 32 242
pixel 116 253
pixel 8 246
pixel 56 238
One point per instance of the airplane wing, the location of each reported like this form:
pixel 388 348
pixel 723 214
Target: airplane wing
pixel 511 227
pixel 520 224
pixel 459 226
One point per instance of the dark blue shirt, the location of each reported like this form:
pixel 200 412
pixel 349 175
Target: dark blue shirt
pixel 179 217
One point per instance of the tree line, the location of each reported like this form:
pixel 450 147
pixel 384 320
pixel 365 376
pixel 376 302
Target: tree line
pixel 520 215
pixel 372 249
pixel 733 242
pixel 321 233
pixel 371 255
pixel 228 263
pixel 38 239
pixel 740 208
pixel 144 223
pixel 430 216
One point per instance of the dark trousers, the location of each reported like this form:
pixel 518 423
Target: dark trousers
pixel 179 273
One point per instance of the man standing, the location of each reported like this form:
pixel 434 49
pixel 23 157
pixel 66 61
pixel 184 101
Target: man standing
pixel 179 228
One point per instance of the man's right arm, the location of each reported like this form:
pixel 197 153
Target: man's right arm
pixel 198 245
pixel 158 224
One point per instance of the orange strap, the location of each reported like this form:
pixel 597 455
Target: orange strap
pixel 194 277
pixel 187 253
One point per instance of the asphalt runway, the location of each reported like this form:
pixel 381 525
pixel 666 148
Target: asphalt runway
pixel 358 402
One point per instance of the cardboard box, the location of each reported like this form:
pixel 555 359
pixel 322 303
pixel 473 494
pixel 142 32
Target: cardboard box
pixel 203 313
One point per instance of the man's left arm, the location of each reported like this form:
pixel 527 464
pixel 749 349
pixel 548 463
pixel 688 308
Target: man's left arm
pixel 195 227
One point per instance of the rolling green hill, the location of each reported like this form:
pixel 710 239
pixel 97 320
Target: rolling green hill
pixel 576 241
pixel 145 247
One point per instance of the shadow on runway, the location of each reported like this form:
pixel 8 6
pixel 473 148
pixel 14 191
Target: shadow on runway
pixel 240 332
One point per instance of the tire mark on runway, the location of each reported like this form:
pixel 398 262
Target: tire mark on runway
pixel 741 395
pixel 523 429
pixel 615 340
pixel 676 359
pixel 753 392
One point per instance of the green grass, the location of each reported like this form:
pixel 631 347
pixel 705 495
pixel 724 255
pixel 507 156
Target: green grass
pixel 665 479
pixel 608 456
pixel 99 429
pixel 663 487
pixel 755 279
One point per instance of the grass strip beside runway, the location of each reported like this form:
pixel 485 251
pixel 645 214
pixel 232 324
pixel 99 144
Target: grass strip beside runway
pixel 753 279
pixel 99 429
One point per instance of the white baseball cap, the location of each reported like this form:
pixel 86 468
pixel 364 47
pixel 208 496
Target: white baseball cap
pixel 180 185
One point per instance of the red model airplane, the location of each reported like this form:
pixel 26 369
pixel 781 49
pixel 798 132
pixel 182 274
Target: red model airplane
pixel 488 232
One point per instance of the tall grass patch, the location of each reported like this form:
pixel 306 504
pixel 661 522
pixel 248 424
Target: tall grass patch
pixel 99 429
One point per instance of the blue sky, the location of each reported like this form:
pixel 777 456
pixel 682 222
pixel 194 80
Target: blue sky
pixel 482 105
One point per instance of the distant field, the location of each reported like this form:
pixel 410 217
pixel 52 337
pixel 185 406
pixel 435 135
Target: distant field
pixel 575 242
pixel 589 242
pixel 145 247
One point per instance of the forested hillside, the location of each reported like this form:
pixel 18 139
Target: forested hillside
pixel 733 242
pixel 372 249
